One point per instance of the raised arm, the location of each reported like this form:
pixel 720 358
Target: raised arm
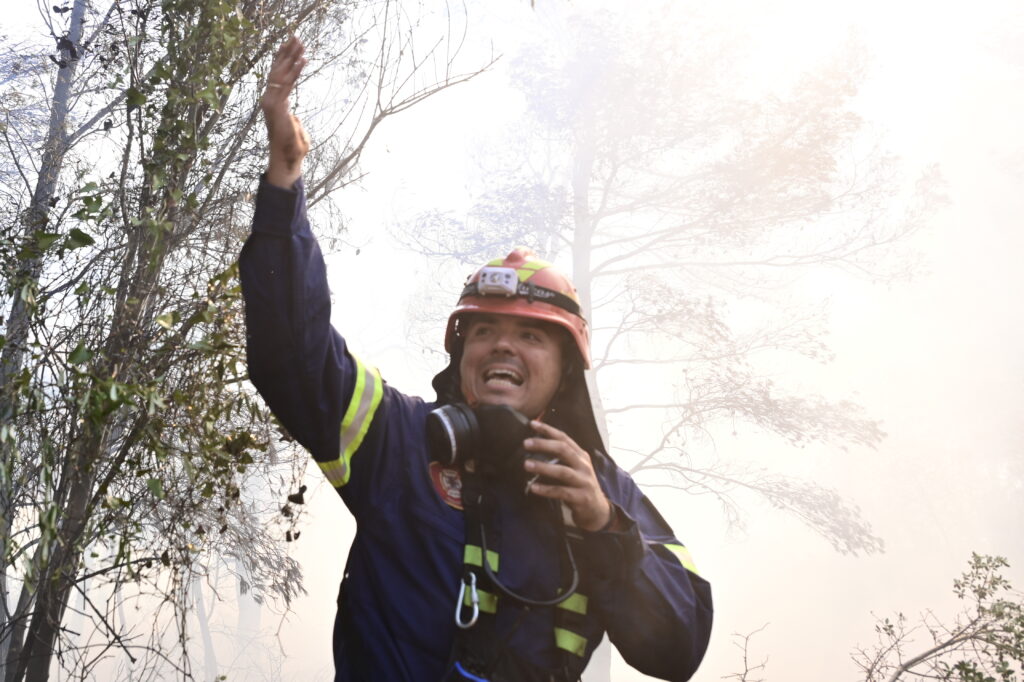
pixel 297 361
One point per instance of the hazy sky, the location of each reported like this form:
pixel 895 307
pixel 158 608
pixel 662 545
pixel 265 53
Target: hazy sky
pixel 936 359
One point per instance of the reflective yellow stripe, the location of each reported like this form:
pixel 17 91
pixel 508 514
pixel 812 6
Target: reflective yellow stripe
pixel 336 472
pixel 354 425
pixel 530 268
pixel 684 557
pixel 577 603
pixel 471 556
pixel 488 602
pixel 570 641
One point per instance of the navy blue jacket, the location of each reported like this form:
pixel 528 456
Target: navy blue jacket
pixel 397 599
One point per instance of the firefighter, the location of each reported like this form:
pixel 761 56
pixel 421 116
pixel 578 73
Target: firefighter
pixel 496 540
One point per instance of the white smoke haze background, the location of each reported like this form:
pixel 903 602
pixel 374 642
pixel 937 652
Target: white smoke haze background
pixel 928 346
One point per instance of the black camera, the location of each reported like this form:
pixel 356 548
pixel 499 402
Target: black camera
pixel 490 435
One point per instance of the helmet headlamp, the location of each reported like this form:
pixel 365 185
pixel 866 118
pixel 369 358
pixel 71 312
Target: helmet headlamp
pixel 497 281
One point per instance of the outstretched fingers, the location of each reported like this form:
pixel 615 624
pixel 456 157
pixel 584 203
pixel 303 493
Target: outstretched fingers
pixel 284 73
pixel 288 140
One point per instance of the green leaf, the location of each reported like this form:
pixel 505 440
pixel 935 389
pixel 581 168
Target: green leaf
pixel 154 402
pixel 28 294
pixel 135 98
pixel 155 487
pixel 168 320
pixel 80 354
pixel 77 239
pixel 45 240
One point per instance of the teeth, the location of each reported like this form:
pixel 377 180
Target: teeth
pixel 504 375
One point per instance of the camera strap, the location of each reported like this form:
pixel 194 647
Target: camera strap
pixel 477 647
pixel 479 652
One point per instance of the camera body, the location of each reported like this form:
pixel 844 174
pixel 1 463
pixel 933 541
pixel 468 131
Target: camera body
pixel 490 435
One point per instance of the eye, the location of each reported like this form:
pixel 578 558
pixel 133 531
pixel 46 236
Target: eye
pixel 531 335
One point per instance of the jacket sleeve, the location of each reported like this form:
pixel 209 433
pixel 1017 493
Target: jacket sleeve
pixel 656 608
pixel 324 396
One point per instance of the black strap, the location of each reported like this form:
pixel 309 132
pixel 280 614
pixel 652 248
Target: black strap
pixel 480 650
pixel 564 593
pixel 531 292
pixel 476 649
pixel 566 617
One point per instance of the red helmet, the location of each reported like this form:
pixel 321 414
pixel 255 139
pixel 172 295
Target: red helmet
pixel 522 284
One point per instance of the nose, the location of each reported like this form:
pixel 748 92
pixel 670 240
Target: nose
pixel 503 342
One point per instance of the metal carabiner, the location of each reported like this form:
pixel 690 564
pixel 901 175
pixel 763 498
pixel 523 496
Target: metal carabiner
pixel 474 600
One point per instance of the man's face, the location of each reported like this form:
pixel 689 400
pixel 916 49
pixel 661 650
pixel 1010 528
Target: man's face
pixel 509 360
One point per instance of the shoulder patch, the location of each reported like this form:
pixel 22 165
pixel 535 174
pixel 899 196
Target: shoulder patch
pixel 447 483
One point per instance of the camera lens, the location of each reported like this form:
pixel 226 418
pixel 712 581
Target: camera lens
pixel 452 433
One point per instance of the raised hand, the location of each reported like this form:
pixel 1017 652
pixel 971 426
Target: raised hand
pixel 289 142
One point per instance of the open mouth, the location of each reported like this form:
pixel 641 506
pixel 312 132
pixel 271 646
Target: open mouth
pixel 502 376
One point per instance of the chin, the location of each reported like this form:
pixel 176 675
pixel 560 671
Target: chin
pixel 501 400
pixel 506 400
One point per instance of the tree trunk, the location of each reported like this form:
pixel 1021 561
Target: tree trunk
pixel 209 653
pixel 13 353
pixel 583 234
pixel 5 621
pixel 250 617
pixel 54 148
pixel 57 575
pixel 599 668
pixel 42 634
pixel 15 635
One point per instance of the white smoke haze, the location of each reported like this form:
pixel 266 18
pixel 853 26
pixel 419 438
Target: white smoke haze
pixel 933 355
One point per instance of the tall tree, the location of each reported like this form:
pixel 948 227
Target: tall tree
pixel 688 198
pixel 127 434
